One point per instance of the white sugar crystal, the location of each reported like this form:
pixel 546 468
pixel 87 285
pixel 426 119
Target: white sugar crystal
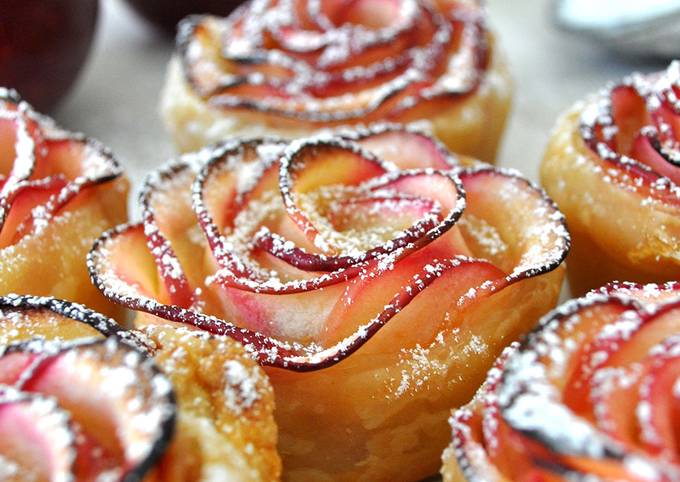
pixel 240 389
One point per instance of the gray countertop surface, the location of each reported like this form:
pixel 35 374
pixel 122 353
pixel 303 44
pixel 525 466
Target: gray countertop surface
pixel 116 98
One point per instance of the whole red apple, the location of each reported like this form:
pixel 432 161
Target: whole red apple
pixel 43 45
pixel 166 13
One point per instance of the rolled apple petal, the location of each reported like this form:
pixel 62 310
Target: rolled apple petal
pixel 42 168
pixel 38 438
pixel 279 240
pixel 412 151
pixel 24 317
pixel 612 166
pixel 590 393
pixel 116 408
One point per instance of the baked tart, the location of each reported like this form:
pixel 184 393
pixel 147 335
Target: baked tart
pixel 289 69
pixel 591 394
pixel 83 400
pixel 373 277
pixel 58 192
pixel 613 167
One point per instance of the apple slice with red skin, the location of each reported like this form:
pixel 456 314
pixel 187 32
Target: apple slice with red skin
pixel 661 378
pixel 594 351
pixel 636 131
pixel 410 215
pixel 668 113
pixel 647 149
pixel 260 308
pixel 415 150
pixel 314 165
pixel 43 169
pixel 603 368
pixel 104 386
pixel 18 221
pixel 38 438
pixel 158 231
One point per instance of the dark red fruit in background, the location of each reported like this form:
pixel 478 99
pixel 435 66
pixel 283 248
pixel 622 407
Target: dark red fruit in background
pixel 166 13
pixel 43 45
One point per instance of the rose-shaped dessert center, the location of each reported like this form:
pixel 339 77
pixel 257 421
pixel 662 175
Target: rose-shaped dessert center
pixel 335 61
pixel 305 250
pixel 315 215
pixel 593 392
pixel 638 120
pixel 81 410
pixel 42 168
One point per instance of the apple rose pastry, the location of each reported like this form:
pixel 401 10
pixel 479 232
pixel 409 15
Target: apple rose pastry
pixel 613 167
pixel 373 277
pixel 592 394
pixel 83 400
pixel 289 68
pixel 58 192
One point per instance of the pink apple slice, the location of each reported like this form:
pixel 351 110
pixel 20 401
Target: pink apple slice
pixel 38 441
pixel 587 394
pixel 633 128
pixel 108 388
pixel 43 169
pixel 407 149
pixel 157 231
pixel 334 63
pixel 659 391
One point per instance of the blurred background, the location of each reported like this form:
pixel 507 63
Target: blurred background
pixel 116 96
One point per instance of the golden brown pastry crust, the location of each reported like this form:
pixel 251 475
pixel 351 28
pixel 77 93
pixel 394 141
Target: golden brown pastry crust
pixel 226 428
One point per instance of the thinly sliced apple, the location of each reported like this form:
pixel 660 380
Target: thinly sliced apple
pixel 107 388
pixel 43 170
pixel 333 65
pixel 634 127
pixel 590 393
pixel 406 149
pixel 38 440
pixel 303 304
pixel 42 317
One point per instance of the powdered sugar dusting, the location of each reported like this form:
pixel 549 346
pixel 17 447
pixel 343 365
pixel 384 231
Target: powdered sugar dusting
pixel 241 386
pixel 109 374
pixel 298 234
pixel 307 72
pixel 642 154
pixel 33 137
pixel 568 387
